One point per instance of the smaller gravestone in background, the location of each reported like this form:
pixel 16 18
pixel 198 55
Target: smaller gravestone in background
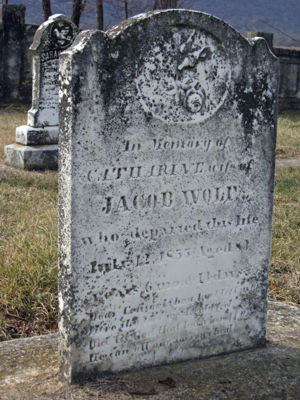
pixel 12 29
pixel 26 88
pixel 37 143
pixel 266 35
pixel 167 152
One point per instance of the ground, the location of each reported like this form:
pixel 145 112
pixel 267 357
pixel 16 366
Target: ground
pixel 29 371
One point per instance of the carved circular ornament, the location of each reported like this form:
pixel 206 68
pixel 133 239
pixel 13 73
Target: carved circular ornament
pixel 184 76
pixel 62 34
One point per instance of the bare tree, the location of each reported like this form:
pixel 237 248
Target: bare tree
pixel 99 14
pixel 46 4
pixel 77 10
pixel 119 10
pixel 126 9
pixel 78 7
pixel 164 4
pixel 123 9
pixel 46 9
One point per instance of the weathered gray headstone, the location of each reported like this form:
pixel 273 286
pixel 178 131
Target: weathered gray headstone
pixel 39 139
pixel 12 29
pixel 166 179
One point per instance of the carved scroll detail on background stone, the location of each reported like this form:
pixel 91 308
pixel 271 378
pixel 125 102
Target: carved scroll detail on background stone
pixel 184 77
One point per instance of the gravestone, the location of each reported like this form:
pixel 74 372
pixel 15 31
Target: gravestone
pixel 37 142
pixel 12 32
pixel 268 36
pixel 167 149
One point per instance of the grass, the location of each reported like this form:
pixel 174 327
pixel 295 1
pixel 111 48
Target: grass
pixel 10 118
pixel 28 236
pixel 28 253
pixel 284 279
pixel 288 135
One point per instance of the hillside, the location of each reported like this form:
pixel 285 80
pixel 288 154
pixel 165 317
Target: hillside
pixel 277 16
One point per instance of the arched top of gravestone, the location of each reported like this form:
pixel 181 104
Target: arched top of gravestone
pixel 197 19
pixel 184 61
pixel 57 33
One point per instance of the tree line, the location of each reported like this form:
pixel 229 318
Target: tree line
pixel 122 9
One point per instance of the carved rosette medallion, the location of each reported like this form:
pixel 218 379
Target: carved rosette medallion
pixel 62 34
pixel 184 76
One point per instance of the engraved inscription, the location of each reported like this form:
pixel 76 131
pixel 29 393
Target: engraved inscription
pixel 190 197
pixel 207 251
pixel 50 55
pixel 147 346
pixel 139 201
pixel 157 233
pixel 163 143
pixel 115 264
pixel 155 171
pixel 204 251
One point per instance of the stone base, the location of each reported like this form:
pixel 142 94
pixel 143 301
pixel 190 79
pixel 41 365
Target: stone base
pixel 29 371
pixel 288 103
pixel 29 136
pixel 32 157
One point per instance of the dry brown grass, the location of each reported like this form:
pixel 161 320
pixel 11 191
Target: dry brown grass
pixel 284 278
pixel 28 253
pixel 288 135
pixel 10 118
